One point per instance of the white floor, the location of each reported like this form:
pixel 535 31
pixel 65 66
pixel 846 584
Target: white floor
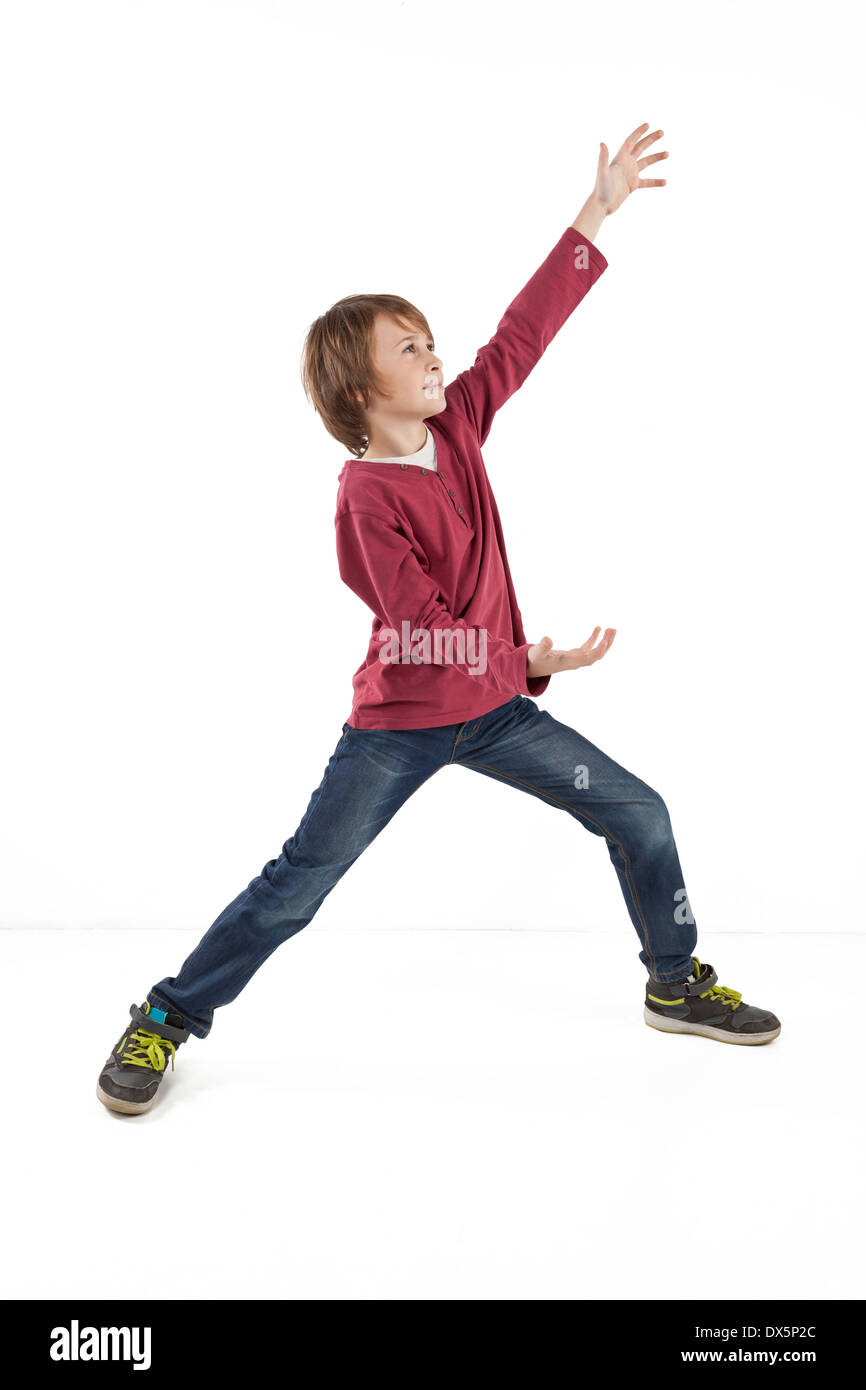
pixel 436 1114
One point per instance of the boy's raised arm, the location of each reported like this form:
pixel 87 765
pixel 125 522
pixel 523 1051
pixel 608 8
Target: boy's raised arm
pixel 526 328
pixel 554 291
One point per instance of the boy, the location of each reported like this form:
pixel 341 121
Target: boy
pixel 419 539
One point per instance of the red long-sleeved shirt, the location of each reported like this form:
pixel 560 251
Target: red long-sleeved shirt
pixel 425 548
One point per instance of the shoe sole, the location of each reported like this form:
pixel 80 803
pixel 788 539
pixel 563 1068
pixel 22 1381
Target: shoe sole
pixel 125 1107
pixel 678 1025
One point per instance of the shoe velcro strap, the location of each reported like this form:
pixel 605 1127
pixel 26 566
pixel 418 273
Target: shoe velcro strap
pixel 699 986
pixel 150 1025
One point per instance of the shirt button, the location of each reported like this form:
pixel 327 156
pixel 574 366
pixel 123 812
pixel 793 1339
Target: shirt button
pixel 404 465
pixel 423 470
pixel 450 492
pixel 460 510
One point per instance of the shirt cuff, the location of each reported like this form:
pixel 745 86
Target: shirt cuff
pixel 529 685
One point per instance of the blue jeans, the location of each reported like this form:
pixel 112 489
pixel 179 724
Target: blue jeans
pixel 372 772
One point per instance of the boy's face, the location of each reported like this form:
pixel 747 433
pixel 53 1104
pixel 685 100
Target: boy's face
pixel 410 371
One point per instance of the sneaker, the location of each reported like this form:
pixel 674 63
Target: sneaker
pixel 130 1078
pixel 699 1004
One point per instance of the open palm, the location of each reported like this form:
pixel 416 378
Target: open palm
pixel 543 659
pixel 614 181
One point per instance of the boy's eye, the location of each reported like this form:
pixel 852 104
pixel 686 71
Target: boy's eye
pixel 410 347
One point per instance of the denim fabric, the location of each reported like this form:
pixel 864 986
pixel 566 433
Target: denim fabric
pixel 372 772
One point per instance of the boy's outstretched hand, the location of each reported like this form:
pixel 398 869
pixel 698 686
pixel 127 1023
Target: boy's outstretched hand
pixel 542 660
pixel 614 182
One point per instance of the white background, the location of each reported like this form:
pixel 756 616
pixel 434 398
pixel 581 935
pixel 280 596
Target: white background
pixel 187 186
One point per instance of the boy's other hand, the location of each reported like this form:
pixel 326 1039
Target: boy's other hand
pixel 545 660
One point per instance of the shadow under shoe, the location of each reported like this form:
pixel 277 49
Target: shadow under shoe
pixel 701 1005
pixel 132 1074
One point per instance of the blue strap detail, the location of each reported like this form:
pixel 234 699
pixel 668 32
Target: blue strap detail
pixel 158 1015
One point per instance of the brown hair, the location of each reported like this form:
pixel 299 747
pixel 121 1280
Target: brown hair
pixel 338 361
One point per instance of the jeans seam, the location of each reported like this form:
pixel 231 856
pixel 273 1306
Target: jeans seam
pixel 558 801
pixel 457 739
pixel 473 730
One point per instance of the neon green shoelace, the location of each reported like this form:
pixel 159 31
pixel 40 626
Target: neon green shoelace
pixel 720 994
pixel 152 1047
